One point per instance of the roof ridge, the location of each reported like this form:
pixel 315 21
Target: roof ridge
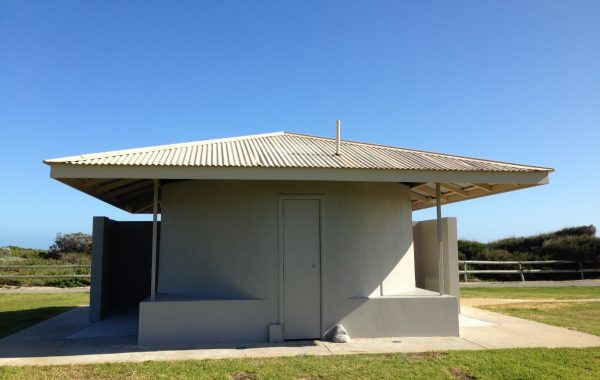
pixel 155 148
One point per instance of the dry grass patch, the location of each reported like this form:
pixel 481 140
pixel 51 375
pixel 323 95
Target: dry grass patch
pixel 561 293
pixel 242 375
pixel 539 306
pixel 579 316
pixel 460 374
pixel 425 356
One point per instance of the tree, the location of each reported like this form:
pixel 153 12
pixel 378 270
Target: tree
pixel 78 242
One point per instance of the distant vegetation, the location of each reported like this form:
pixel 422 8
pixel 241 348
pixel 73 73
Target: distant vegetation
pixel 79 243
pixel 68 249
pixel 573 243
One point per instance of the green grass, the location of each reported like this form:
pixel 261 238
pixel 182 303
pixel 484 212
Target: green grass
pixel 537 363
pixel 19 311
pixel 571 292
pixel 580 316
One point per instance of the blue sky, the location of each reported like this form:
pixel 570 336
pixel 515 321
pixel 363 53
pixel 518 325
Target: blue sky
pixel 508 80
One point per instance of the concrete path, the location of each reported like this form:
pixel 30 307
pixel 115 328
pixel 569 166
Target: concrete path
pixel 511 332
pixel 41 289
pixel 47 343
pixel 529 284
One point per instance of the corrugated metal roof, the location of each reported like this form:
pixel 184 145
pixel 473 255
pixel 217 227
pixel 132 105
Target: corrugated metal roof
pixel 290 150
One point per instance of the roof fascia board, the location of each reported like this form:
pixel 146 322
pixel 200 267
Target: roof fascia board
pixel 303 174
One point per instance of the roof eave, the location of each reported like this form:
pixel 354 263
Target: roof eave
pixel 304 174
pixel 129 187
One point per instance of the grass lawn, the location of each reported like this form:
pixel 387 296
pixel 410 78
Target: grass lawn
pixel 571 292
pixel 580 316
pixel 19 311
pixel 537 363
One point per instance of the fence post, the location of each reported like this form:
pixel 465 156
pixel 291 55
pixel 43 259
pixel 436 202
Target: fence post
pixel 465 268
pixel 581 270
pixel 521 271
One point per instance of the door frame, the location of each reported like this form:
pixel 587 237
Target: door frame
pixel 280 280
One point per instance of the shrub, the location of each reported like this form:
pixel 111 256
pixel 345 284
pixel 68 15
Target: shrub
pixel 572 243
pixel 498 255
pixel 68 282
pixel 471 250
pixel 578 248
pixel 576 231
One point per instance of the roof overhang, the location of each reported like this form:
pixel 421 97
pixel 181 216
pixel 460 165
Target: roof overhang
pixel 130 187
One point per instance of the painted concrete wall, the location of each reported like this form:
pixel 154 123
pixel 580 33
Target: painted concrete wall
pixel 121 259
pixel 219 241
pixel 220 238
pixel 101 243
pixel 427 257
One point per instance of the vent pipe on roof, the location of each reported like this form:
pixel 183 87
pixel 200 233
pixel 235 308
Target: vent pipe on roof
pixel 338 125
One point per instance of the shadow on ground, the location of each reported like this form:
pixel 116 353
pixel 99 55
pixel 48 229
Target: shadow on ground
pixel 13 321
pixel 70 333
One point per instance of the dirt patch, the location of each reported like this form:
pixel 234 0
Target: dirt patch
pixel 540 306
pixel 460 374
pixel 424 356
pixel 242 375
pixel 476 302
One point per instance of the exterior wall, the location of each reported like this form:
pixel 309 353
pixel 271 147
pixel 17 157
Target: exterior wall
pixel 121 260
pixel 427 256
pixel 101 245
pixel 220 238
pixel 219 243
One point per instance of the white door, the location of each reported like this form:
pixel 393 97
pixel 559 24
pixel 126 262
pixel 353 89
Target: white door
pixel 301 269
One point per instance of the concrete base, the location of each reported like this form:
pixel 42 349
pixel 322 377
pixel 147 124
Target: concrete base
pixel 402 316
pixel 189 321
pixel 172 320
pixel 114 325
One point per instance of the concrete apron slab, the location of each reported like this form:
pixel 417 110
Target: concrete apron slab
pixel 511 332
pixel 47 343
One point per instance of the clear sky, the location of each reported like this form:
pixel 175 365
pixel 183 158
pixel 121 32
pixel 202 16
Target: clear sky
pixel 508 80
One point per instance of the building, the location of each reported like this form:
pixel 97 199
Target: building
pixel 281 236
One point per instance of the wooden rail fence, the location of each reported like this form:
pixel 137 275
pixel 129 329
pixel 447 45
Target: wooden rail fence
pixel 68 271
pixel 520 269
pixel 465 271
